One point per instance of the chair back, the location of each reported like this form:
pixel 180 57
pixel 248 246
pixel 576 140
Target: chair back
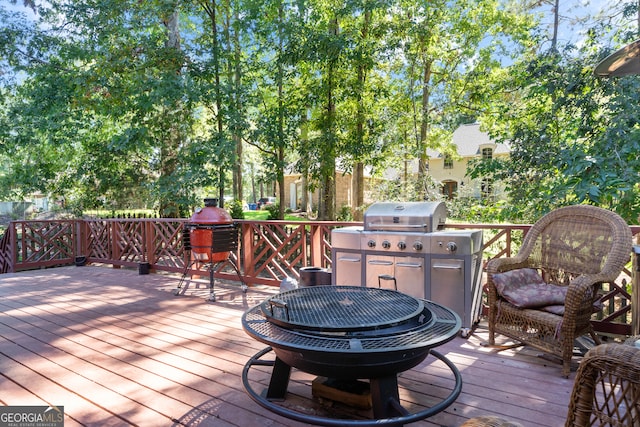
pixel 579 239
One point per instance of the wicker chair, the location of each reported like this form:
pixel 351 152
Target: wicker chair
pixel 606 391
pixel 576 246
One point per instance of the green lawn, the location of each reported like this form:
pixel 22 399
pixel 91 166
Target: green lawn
pixel 264 215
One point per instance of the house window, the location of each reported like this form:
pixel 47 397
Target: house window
pixel 448 161
pixel 449 189
pixel 487 153
pixel 487 188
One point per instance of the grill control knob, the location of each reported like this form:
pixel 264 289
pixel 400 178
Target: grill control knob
pixel 417 246
pixel 371 243
pixel 452 247
pixel 402 245
pixel 386 244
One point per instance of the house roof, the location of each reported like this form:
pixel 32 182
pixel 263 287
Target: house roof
pixel 470 140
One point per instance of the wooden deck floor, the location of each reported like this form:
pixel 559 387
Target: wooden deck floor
pixel 117 348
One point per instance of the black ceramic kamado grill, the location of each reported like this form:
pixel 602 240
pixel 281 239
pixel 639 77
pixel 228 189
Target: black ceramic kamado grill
pixel 349 333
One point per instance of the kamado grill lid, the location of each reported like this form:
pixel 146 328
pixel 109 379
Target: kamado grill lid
pixel 342 310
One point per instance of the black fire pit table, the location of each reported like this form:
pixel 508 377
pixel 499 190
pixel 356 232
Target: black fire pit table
pixel 349 333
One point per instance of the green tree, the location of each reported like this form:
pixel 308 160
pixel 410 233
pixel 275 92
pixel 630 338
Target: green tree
pixel 450 51
pixel 573 137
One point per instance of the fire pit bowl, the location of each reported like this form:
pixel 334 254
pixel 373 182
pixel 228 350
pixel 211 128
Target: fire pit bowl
pixel 349 333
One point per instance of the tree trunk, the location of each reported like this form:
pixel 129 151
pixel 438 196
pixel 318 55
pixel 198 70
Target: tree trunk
pixel 281 131
pixel 358 192
pixel 237 131
pixel 424 130
pixel 556 20
pixel 327 209
pixel 357 200
pixel 210 9
pixel 168 207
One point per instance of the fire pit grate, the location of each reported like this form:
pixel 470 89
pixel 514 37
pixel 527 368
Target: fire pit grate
pixel 438 322
pixel 341 309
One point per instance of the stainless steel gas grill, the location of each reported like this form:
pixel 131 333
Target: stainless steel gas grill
pixel 404 246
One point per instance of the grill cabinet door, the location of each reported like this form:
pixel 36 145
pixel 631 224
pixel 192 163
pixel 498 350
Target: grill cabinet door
pixel 410 274
pixel 387 272
pixel 348 268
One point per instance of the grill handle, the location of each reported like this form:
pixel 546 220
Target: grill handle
pixel 409 264
pixel 380 262
pixel 378 226
pixel 280 304
pixel 387 277
pixel 446 267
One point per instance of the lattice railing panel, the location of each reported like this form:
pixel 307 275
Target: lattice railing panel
pixel 130 240
pixel 278 250
pixel 167 243
pixel 6 251
pixel 46 241
pixel 99 240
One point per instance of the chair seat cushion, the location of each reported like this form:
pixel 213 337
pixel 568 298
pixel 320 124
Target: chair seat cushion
pixel 525 288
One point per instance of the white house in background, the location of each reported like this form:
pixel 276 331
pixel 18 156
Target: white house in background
pixel 450 170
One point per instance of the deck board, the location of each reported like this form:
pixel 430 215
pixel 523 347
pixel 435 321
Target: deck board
pixel 118 348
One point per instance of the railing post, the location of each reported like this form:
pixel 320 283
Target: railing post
pixel 115 238
pixel 247 250
pixel 149 254
pixel 13 242
pixel 635 292
pixel 80 238
pixel 316 245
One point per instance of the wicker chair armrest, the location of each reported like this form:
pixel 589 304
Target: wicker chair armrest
pixel 617 363
pixel 500 265
pixel 581 291
pixel 578 305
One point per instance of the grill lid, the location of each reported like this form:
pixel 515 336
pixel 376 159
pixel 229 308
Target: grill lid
pixel 423 217
pixel 345 310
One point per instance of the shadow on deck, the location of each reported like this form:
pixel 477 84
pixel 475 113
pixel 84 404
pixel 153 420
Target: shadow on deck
pixel 117 348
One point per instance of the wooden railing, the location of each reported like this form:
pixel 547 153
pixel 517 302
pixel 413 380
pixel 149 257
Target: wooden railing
pixel 268 252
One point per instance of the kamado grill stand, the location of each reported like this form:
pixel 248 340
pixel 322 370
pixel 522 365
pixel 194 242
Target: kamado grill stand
pixel 209 238
pixel 349 333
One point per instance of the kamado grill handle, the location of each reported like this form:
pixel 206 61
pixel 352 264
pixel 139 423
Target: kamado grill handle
pixel 280 304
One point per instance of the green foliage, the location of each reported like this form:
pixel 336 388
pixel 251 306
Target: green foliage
pixel 236 209
pixel 274 211
pixel 476 211
pixel 571 135
pixel 128 106
pixel 413 188
pixel 345 214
